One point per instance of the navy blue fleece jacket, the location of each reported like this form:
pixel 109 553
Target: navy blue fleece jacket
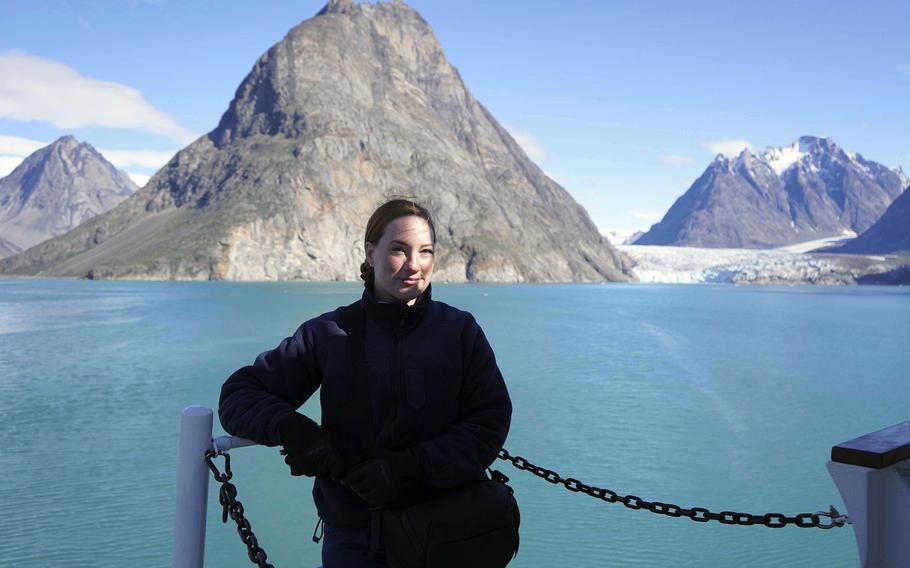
pixel 434 385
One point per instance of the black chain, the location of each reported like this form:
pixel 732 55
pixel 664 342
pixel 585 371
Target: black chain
pixel 697 514
pixel 228 499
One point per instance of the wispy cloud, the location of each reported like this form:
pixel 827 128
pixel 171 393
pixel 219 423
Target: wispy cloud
pixel 646 215
pixel 677 159
pixel 728 147
pixel 21 147
pixel 8 164
pixel 529 144
pixel 904 68
pixel 14 149
pixel 144 158
pixel 85 24
pixel 39 89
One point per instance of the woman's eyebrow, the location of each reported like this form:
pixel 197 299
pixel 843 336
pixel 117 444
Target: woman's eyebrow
pixel 397 242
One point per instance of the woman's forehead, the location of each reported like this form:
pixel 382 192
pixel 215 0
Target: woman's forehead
pixel 410 229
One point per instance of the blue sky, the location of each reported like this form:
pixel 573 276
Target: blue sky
pixel 623 103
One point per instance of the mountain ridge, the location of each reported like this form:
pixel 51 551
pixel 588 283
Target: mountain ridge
pixel 889 235
pixel 807 190
pixel 354 105
pixel 55 189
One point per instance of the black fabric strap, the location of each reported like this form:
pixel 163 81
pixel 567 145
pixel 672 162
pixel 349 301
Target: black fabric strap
pixel 354 322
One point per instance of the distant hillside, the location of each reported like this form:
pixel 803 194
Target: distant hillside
pixel 889 235
pixel 809 190
pixel 54 190
pixel 354 105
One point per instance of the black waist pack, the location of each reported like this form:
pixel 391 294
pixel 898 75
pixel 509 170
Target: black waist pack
pixel 471 526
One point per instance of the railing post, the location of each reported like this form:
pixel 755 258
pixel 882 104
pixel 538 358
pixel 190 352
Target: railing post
pixel 872 473
pixel 192 487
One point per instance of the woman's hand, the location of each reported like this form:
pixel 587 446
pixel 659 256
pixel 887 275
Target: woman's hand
pixel 381 481
pixel 307 449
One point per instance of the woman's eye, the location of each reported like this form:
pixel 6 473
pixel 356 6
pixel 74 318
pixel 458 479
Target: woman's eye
pixel 426 251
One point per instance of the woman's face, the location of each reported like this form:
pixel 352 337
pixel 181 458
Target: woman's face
pixel 402 260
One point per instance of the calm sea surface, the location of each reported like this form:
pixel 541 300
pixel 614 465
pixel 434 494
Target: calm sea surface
pixel 723 397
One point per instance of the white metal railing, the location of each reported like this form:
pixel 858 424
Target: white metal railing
pixel 869 471
pixel 193 483
pixel 872 473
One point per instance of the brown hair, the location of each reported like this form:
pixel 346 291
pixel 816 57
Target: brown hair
pixel 385 214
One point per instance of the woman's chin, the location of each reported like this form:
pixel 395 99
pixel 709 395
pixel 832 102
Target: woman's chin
pixel 408 292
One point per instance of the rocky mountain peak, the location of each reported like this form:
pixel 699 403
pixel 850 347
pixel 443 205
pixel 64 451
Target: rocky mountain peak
pixel 336 7
pixel 67 141
pixel 55 189
pixel 278 95
pixel 815 144
pixel 353 106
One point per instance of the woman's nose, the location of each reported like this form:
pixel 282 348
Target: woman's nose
pixel 414 262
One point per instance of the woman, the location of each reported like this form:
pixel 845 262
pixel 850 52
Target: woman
pixel 440 410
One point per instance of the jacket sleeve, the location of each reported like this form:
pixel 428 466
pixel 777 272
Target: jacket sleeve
pixel 484 416
pixel 256 398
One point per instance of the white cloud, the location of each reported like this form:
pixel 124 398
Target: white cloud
pixel 144 158
pixel 677 159
pixel 904 68
pixel 529 144
pixel 139 179
pixel 8 164
pixel 728 147
pixel 646 215
pixel 14 149
pixel 39 89
pixel 16 146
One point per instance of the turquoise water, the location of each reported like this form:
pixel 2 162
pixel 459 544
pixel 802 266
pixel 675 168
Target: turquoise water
pixel 718 396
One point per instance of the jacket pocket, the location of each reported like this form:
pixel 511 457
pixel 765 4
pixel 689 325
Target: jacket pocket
pixel 415 385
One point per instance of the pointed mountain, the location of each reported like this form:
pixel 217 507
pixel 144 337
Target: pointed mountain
pixel 353 106
pixel 54 190
pixel 809 190
pixel 889 235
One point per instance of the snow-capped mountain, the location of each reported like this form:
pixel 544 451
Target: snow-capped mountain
pixel 809 190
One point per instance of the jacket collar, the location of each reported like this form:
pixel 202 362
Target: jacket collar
pixel 395 315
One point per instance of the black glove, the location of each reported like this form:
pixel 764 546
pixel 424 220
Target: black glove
pixel 308 450
pixel 382 480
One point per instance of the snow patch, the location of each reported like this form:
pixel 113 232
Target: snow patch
pixel 782 158
pixel 808 246
pixel 903 177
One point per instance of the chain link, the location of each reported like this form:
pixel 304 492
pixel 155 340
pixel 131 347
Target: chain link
pixel 697 514
pixel 232 507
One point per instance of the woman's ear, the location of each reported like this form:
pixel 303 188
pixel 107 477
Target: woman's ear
pixel 368 249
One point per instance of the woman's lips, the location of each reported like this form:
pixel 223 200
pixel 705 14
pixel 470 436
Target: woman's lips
pixel 410 281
